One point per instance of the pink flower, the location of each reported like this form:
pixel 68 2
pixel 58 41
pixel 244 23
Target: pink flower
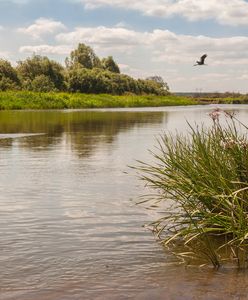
pixel 215 114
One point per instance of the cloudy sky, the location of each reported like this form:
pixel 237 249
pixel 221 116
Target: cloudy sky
pixel 145 37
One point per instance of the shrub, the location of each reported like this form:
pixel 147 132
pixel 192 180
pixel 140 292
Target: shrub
pixel 38 65
pixel 97 81
pixel 8 76
pixel 42 83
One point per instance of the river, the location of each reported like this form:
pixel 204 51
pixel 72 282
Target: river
pixel 70 227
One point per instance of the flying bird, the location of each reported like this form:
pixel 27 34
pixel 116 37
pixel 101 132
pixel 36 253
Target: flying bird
pixel 201 61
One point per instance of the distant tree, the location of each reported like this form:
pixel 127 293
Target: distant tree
pixel 83 56
pixel 89 81
pixel 79 80
pixel 110 65
pixel 7 84
pixel 84 72
pixel 36 66
pixel 103 81
pixel 42 83
pixel 8 76
pixel 159 80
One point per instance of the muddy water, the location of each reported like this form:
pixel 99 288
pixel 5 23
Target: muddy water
pixel 69 226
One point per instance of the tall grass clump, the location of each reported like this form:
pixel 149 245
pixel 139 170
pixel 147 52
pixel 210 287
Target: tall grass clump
pixel 202 180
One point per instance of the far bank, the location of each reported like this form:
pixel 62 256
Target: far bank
pixel 34 100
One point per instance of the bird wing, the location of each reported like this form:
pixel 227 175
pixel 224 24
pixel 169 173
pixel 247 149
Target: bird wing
pixel 203 57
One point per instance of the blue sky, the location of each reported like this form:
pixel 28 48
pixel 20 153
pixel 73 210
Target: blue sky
pixel 147 37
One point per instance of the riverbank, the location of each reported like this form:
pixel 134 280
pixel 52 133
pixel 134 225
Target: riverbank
pixel 34 100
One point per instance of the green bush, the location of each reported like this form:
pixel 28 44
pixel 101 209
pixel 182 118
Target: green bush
pixel 8 76
pixel 41 67
pixel 96 81
pixel 42 83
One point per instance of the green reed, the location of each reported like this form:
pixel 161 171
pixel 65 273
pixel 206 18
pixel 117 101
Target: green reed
pixel 202 180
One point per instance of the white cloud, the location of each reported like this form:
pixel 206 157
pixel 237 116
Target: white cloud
pixel 229 12
pixel 41 27
pixel 121 25
pixel 161 52
pixel 102 35
pixel 127 69
pixel 158 52
pixel 5 55
pixel 46 49
pixel 163 45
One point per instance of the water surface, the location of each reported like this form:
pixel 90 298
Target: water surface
pixel 69 225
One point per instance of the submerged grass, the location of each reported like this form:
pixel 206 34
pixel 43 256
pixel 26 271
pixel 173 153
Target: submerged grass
pixel 35 100
pixel 205 177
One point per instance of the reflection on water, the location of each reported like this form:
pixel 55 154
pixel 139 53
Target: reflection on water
pixel 69 226
pixel 82 131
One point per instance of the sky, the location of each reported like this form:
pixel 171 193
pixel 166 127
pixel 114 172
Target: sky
pixel 145 37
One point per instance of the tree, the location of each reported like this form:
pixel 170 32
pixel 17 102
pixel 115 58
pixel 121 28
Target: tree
pixel 79 80
pixel 103 81
pixel 110 65
pixel 160 81
pixel 37 66
pixel 85 73
pixel 8 76
pixel 83 56
pixel 42 83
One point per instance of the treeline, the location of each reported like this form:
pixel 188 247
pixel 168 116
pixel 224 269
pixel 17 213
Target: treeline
pixel 84 72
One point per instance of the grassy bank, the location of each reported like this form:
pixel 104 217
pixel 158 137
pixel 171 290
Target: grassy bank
pixel 35 100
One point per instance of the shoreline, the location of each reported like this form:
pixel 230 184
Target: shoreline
pixel 18 100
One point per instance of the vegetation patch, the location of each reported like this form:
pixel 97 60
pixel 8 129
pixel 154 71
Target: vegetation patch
pixel 202 181
pixel 84 72
pixel 54 100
